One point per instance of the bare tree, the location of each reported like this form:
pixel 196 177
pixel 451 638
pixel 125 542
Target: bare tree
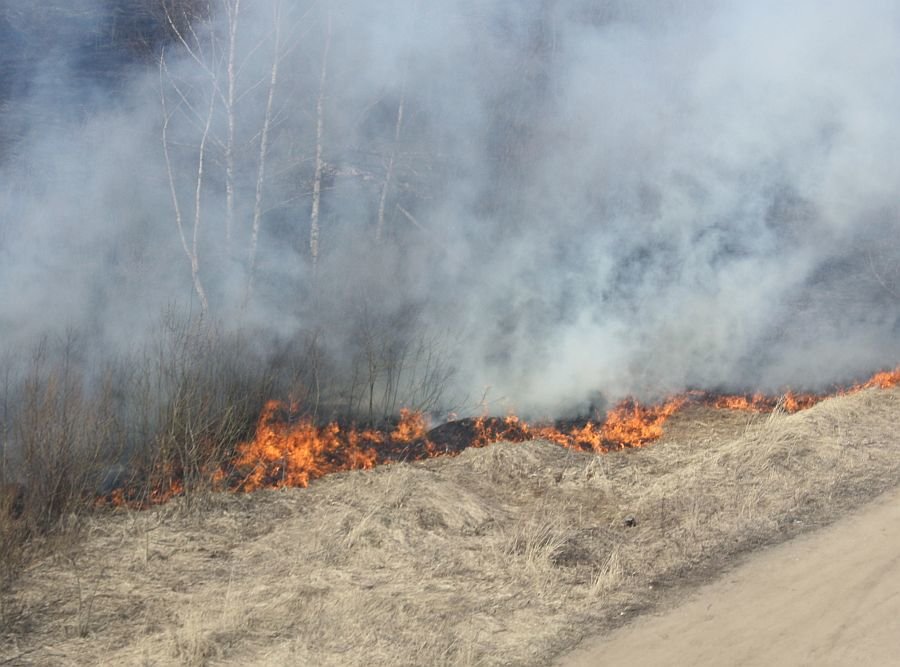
pixel 207 101
pixel 190 249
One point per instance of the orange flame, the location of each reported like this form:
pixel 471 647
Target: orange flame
pixel 293 453
pixel 284 454
pixel 634 425
pixel 411 427
pixel 795 402
pixel 790 402
pixel 164 482
pixel 882 380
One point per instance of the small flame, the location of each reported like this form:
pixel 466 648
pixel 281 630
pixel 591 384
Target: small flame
pixel 411 427
pixel 164 482
pixel 792 402
pixel 789 402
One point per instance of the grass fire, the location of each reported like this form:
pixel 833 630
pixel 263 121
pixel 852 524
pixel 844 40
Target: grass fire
pixel 504 311
pixel 529 544
pixel 288 450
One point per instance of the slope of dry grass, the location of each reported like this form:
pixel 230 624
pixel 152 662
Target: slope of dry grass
pixel 503 555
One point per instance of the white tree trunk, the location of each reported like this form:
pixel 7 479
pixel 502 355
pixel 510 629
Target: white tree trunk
pixel 233 12
pixel 320 164
pixel 389 171
pixel 191 250
pixel 263 153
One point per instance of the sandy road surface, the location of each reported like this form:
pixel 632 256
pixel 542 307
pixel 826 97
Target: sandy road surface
pixel 828 598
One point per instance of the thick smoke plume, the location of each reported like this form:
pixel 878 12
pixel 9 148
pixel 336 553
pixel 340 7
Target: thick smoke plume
pixel 559 199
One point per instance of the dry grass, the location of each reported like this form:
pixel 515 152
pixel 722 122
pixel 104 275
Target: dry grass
pixel 504 555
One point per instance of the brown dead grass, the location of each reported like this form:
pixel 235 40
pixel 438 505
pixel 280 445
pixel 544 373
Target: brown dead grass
pixel 503 555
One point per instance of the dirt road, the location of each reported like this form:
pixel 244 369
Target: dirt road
pixel 828 598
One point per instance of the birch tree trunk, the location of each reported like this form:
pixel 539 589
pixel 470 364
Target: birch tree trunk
pixel 389 171
pixel 232 11
pixel 392 159
pixel 320 164
pixel 190 249
pixel 263 154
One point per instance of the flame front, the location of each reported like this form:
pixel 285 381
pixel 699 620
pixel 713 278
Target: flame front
pixel 289 452
pixel 789 402
pixel 634 425
pixel 882 380
pixel 293 454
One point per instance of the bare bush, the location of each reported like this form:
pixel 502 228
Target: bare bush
pixel 395 364
pixel 197 394
pixel 60 432
pixel 166 417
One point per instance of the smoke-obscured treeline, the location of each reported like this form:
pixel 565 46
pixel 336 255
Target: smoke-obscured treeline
pixel 445 206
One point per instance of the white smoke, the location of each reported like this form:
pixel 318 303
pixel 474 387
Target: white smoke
pixel 614 197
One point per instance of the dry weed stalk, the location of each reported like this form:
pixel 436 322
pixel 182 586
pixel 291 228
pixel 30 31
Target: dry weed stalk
pixel 610 575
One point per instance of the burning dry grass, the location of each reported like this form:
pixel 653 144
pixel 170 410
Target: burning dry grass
pixel 290 449
pixel 502 555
